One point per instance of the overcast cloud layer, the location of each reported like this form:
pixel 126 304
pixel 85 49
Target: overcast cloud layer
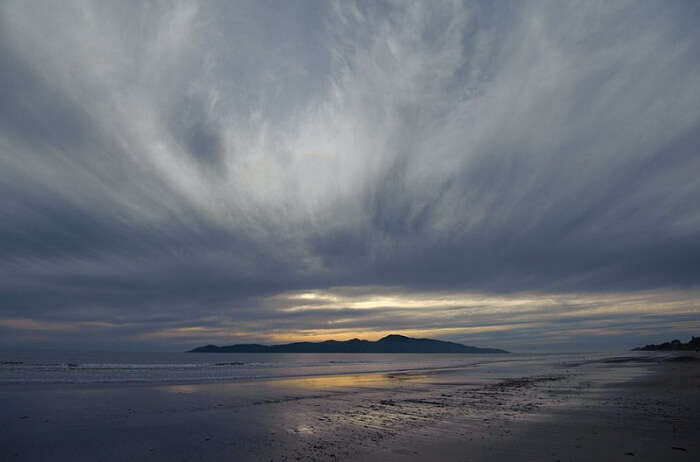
pixel 516 174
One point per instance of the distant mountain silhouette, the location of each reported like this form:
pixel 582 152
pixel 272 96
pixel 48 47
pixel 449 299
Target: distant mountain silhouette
pixel 673 345
pixel 389 344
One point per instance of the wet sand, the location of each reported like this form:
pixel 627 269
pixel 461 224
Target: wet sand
pixel 632 408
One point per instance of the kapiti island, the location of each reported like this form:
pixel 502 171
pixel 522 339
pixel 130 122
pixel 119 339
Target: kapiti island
pixel 389 344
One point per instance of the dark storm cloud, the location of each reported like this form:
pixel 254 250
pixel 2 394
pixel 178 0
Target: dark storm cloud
pixel 183 164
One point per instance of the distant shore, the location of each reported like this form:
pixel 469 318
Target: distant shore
pixel 674 345
pixel 633 407
pixel 392 343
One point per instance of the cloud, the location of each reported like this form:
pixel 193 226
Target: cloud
pixel 166 163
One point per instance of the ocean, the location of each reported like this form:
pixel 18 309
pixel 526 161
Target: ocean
pixel 90 367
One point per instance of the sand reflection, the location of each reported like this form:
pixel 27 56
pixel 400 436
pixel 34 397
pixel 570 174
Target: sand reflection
pixel 182 389
pixel 351 380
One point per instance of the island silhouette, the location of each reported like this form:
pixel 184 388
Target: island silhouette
pixel 390 344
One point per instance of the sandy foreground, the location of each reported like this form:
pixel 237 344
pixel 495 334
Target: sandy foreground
pixel 625 408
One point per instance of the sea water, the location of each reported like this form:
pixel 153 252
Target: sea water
pixel 89 367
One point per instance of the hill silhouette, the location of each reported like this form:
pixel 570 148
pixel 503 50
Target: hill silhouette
pixel 390 344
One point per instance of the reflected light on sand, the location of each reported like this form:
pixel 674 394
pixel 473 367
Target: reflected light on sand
pixel 351 380
pixel 182 389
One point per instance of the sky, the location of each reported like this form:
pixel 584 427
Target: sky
pixel 513 174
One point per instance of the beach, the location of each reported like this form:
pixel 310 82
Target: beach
pixel 577 407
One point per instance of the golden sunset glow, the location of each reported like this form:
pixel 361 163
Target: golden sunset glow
pixel 448 315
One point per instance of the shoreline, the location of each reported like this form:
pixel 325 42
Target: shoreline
pixel 229 380
pixel 464 366
pixel 369 416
